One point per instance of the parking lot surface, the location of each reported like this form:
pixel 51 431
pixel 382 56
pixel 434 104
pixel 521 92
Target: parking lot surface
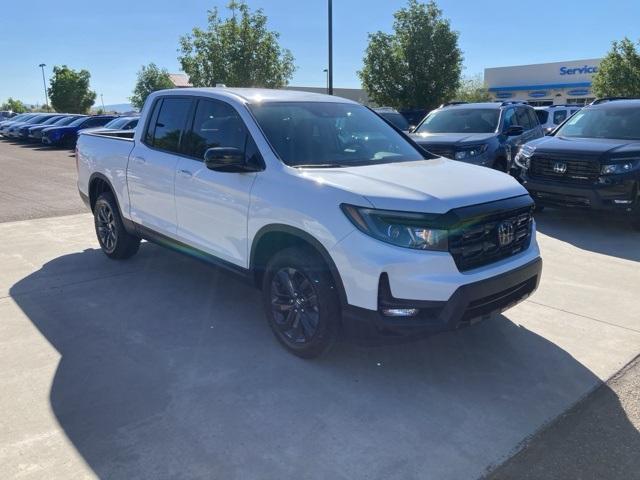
pixel 164 367
pixel 37 181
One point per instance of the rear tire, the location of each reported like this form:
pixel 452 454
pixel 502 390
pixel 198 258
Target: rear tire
pixel 300 301
pixel 115 241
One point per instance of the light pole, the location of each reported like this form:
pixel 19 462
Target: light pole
pixel 44 84
pixel 102 101
pixel 326 71
pixel 330 69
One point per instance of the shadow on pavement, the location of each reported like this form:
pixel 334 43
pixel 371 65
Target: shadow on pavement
pixel 594 231
pixel 168 370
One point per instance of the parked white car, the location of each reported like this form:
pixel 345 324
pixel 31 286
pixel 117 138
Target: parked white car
pixel 553 115
pixel 344 223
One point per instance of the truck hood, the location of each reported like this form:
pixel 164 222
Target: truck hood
pixel 451 138
pixel 433 186
pixel 587 146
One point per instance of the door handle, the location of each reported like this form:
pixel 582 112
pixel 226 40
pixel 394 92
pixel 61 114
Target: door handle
pixel 140 160
pixel 185 173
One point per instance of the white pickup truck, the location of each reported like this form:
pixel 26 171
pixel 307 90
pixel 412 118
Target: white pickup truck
pixel 342 220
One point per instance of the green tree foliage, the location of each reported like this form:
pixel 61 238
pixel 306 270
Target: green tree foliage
pixel 150 79
pixel 69 90
pixel 14 106
pixel 619 72
pixel 238 51
pixel 419 65
pixel 472 89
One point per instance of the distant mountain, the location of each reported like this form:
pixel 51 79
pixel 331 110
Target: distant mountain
pixel 117 107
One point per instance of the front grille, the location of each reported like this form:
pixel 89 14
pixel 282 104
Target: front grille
pixel 577 171
pixel 446 151
pixel 476 241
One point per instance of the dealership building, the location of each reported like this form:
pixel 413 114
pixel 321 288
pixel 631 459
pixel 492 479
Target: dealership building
pixel 544 83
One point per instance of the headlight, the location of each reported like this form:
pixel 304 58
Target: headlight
pixel 471 151
pixel 523 157
pixel 404 229
pixel 624 166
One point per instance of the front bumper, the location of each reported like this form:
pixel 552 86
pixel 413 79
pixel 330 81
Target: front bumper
pixel 615 192
pixel 468 303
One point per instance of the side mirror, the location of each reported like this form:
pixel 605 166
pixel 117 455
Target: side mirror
pixel 514 131
pixel 226 159
pixel 412 128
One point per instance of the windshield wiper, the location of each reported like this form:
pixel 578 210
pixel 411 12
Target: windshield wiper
pixel 319 165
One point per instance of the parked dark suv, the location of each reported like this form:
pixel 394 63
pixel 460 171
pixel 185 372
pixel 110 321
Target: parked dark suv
pixel 487 134
pixel 592 160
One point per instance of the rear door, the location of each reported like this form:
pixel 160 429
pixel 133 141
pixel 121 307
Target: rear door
pixel 152 166
pixel 213 207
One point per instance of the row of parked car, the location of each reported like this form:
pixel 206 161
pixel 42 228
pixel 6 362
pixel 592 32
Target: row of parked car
pixel 60 129
pixel 564 155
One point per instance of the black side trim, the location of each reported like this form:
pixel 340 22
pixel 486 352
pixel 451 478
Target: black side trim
pixel 302 235
pixel 163 240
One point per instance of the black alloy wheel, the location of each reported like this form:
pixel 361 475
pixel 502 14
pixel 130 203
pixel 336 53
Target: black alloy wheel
pixel 294 305
pixel 106 227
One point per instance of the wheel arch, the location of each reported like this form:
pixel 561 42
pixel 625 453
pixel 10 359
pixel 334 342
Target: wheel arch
pixel 271 239
pixel 99 183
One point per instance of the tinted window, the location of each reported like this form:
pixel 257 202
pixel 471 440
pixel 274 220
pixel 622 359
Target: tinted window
pixel 621 123
pixel 510 119
pixel 396 120
pixel 543 116
pixel 533 117
pixel 96 122
pixel 461 120
pixel 169 126
pixel 313 133
pixel 215 124
pixel 523 118
pixel 559 116
pixel 66 121
pixel 51 121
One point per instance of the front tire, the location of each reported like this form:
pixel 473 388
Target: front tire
pixel 300 301
pixel 114 239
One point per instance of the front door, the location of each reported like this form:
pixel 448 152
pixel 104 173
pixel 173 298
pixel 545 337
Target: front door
pixel 213 207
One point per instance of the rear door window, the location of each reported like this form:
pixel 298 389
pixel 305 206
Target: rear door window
pixel 165 130
pixel 559 116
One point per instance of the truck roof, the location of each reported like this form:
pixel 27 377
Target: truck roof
pixel 259 95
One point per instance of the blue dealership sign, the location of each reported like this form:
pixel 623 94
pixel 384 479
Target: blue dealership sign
pixel 578 92
pixel 504 95
pixel 578 70
pixel 538 94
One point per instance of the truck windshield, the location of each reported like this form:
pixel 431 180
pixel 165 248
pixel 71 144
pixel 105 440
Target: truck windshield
pixel 617 123
pixel 461 120
pixel 331 134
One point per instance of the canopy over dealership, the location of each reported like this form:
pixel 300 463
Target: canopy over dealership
pixel 544 83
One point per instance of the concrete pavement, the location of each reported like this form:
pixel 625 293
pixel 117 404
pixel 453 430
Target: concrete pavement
pixel 163 367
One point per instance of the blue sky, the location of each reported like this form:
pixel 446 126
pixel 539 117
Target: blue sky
pixel 113 39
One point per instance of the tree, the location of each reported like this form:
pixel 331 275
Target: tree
pixel 69 90
pixel 14 106
pixel 238 51
pixel 419 65
pixel 618 74
pixel 150 79
pixel 472 89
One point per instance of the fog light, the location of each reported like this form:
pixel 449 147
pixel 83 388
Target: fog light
pixel 623 202
pixel 400 312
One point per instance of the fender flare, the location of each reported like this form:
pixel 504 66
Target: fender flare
pixel 307 238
